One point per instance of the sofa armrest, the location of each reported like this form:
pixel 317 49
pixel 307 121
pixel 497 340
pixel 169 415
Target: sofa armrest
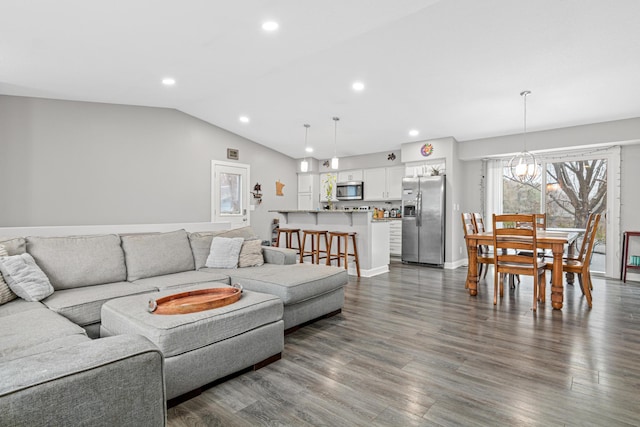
pixel 280 256
pixel 110 381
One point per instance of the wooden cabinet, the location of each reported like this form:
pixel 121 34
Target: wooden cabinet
pixel 350 175
pixel 395 238
pixel 324 179
pixel 383 183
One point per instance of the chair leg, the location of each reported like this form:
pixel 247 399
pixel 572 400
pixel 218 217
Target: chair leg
pixel 586 289
pixel 581 282
pixel 542 284
pixel 496 277
pixel 535 292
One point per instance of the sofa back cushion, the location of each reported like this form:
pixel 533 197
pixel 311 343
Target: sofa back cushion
pixel 201 242
pixel 149 255
pixel 14 245
pixel 76 261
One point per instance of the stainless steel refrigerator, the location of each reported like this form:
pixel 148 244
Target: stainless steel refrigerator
pixel 423 220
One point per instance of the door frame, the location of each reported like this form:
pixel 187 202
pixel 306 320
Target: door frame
pixel 246 202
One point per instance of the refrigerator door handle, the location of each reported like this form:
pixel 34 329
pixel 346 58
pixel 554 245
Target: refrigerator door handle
pixel 419 209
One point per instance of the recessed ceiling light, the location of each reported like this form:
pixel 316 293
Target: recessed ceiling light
pixel 413 132
pixel 168 81
pixel 244 119
pixel 358 86
pixel 270 26
pixel 309 150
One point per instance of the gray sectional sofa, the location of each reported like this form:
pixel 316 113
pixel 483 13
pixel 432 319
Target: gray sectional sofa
pixel 55 369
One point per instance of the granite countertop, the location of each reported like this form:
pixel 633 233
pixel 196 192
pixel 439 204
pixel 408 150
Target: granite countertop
pixel 386 219
pixel 319 211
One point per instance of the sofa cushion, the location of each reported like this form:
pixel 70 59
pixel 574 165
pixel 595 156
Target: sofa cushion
pixel 6 294
pixel 251 254
pixel 179 334
pixel 76 261
pixel 25 278
pixel 14 245
pixel 82 305
pixel 292 283
pixel 19 305
pixel 45 347
pixel 225 252
pixel 185 278
pixel 149 255
pixel 201 242
pixel 26 329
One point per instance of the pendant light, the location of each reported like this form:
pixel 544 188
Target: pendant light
pixel 304 165
pixel 334 160
pixel 523 166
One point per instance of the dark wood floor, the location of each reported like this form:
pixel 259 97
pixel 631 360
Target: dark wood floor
pixel 411 347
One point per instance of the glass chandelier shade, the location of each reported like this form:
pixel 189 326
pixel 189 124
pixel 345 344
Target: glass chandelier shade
pixel 524 167
pixel 334 159
pixel 304 165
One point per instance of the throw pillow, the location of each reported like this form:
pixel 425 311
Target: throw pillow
pixel 25 278
pixel 6 294
pixel 224 252
pixel 251 254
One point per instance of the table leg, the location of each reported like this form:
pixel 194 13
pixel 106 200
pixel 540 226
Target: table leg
pixel 472 274
pixel 557 288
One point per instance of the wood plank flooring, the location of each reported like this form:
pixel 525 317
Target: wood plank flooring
pixel 412 348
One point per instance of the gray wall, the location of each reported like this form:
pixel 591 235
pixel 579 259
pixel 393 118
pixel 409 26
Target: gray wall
pixel 80 163
pixel 626 133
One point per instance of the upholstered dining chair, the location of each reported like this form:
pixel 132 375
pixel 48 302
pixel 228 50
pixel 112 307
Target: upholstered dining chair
pixel 469 227
pixel 580 265
pixel 508 241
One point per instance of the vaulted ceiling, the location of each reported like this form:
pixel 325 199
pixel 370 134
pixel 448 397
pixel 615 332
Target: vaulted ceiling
pixel 444 68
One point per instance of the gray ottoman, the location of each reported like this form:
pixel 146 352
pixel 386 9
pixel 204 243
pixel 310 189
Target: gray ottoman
pixel 202 347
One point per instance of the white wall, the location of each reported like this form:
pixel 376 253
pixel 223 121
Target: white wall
pixel 80 163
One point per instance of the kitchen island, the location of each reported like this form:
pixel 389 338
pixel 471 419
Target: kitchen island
pixel 372 236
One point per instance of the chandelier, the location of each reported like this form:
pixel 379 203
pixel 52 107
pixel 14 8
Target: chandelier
pixel 523 167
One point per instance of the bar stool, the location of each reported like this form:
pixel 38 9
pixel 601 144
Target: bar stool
pixel 315 251
pixel 289 232
pixel 339 235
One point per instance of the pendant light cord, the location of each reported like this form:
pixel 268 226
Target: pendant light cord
pixel 524 94
pixel 335 136
pixel 306 133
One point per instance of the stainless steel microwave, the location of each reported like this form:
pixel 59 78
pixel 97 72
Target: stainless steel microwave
pixel 352 190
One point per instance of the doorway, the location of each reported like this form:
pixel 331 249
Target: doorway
pixel 230 193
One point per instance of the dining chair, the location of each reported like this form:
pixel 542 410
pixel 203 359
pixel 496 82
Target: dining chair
pixel 508 241
pixel 484 259
pixel 580 266
pixel 478 223
pixel 541 224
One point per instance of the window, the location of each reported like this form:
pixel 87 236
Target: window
pixel 570 187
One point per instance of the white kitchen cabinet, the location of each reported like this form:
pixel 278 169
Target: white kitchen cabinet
pixel 308 191
pixel 394 182
pixel 323 186
pixel 306 202
pixel 306 183
pixel 375 184
pixel 383 183
pixel 350 175
pixel 395 238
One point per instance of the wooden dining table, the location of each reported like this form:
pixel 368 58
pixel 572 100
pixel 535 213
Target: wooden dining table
pixel 554 240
